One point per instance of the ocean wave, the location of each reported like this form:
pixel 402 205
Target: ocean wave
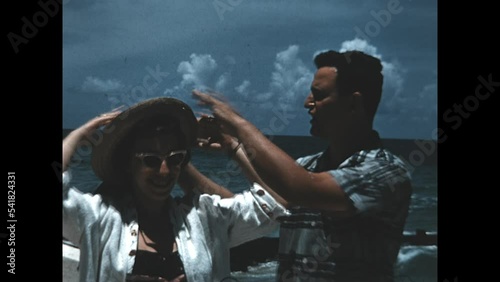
pixel 423 202
pixel 417 263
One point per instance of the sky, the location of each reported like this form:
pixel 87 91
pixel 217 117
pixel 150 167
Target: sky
pixel 258 54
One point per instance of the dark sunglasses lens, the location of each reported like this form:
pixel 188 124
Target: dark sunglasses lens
pixel 152 161
pixel 176 159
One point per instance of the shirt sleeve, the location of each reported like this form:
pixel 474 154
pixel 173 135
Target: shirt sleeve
pixel 80 210
pixel 374 185
pixel 249 215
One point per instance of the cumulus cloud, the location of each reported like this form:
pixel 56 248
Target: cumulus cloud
pixel 425 103
pixel 97 85
pixel 243 88
pixel 419 113
pixel 291 78
pixel 198 71
pixel 360 45
pixel 222 82
pixel 289 82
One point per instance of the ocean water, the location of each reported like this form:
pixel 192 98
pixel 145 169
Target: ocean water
pixel 416 263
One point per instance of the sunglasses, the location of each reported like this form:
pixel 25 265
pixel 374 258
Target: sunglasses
pixel 174 158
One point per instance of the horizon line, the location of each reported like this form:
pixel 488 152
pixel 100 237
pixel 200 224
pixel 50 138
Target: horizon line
pixel 310 136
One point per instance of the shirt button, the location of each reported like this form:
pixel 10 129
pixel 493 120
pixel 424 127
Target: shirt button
pixel 260 192
pixel 132 253
pixel 133 232
pixel 270 214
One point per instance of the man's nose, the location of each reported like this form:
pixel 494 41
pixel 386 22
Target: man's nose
pixel 164 167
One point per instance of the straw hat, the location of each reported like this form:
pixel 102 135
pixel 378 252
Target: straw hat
pixel 120 127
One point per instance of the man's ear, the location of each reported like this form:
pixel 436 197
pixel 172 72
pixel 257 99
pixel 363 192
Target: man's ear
pixel 357 105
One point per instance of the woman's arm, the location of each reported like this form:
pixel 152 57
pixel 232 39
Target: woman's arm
pixel 79 209
pixel 209 138
pixel 74 138
pixel 244 161
pixel 190 178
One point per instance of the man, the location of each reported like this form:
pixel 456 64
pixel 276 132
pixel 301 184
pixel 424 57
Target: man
pixel 348 203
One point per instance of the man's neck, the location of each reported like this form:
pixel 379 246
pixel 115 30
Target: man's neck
pixel 341 149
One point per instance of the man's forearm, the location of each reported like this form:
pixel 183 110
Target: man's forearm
pixel 276 168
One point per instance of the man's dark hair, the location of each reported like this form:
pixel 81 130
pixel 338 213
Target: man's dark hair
pixel 356 71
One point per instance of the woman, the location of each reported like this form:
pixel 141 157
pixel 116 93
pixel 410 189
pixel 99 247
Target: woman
pixel 132 229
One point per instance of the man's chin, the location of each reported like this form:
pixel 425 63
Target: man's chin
pixel 314 131
pixel 317 133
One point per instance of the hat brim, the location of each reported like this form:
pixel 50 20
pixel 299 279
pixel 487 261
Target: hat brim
pixel 120 127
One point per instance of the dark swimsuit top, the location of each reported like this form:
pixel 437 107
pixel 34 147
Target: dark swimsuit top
pixel 155 265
